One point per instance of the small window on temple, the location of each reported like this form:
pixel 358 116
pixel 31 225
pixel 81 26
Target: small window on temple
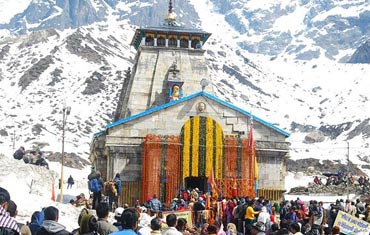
pixel 184 43
pixel 172 42
pixel 161 41
pixel 149 41
pixel 195 43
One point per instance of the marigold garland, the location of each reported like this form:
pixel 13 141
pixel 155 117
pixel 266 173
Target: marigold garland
pixel 186 150
pixel 219 153
pixel 168 160
pixel 209 144
pixel 195 146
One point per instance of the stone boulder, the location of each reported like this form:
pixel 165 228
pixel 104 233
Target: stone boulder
pixel 314 137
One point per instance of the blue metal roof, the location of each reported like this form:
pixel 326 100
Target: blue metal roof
pixel 100 133
pixel 173 103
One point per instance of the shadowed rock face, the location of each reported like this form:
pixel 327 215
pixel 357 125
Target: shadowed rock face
pixel 362 129
pixel 34 72
pixel 70 159
pixel 94 84
pixel 4 51
pixel 75 45
pixel 340 189
pixel 41 36
pixel 60 14
pixel 63 14
pixel 362 54
pixel 317 167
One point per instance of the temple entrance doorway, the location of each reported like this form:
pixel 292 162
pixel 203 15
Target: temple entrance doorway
pixel 196 182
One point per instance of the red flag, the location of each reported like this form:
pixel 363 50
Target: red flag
pixel 250 137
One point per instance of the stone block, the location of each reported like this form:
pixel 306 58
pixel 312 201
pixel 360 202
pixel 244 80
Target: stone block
pixel 134 132
pixel 229 113
pixel 231 120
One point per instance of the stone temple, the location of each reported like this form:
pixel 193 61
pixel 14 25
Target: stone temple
pixel 171 132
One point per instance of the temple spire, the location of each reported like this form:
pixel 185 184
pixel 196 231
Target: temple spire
pixel 171 16
pixel 170 7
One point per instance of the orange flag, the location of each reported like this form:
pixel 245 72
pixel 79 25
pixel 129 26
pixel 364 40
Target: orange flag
pixel 52 192
pixel 212 184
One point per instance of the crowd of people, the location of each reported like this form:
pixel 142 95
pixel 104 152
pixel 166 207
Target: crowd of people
pixel 226 216
pixel 104 191
pixel 35 157
pixel 242 217
pixel 100 191
pixel 343 178
pixel 237 216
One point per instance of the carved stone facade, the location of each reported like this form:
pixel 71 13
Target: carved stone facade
pixel 165 89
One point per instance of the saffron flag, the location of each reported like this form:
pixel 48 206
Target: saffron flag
pixel 52 192
pixel 234 190
pixel 212 183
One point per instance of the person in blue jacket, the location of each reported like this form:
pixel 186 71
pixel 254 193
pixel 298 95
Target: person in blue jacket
pixel 118 185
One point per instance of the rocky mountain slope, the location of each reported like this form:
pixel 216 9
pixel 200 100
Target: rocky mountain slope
pixel 324 104
pixel 298 29
pixel 46 70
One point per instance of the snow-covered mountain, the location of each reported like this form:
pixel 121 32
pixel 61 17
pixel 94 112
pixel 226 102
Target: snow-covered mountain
pixel 253 60
pixel 61 14
pixel 298 29
pixel 43 71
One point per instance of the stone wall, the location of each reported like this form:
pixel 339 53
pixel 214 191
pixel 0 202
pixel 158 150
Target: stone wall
pixel 125 140
pixel 126 160
pixel 271 172
pixel 148 85
pixel 170 121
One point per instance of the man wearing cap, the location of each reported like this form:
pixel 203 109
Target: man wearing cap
pixel 257 229
pixel 117 217
pixel 7 224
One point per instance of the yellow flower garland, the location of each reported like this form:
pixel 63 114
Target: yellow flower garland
pixel 195 149
pixel 186 150
pixel 209 145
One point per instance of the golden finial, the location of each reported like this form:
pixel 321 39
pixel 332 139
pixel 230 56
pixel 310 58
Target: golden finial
pixel 171 16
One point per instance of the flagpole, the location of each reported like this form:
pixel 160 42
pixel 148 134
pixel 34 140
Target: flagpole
pixel 254 158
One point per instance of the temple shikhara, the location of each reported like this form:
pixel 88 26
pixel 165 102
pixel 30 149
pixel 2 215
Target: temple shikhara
pixel 171 132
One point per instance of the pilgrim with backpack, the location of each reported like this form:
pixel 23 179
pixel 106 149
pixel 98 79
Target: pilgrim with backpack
pixel 96 184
